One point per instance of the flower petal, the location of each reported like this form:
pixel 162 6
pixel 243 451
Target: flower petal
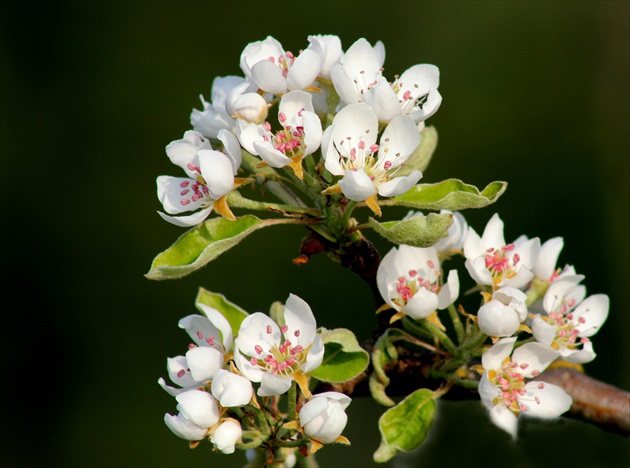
pixel 505 419
pixel 450 290
pixel 190 220
pixel 219 322
pixel 544 400
pixel 421 305
pixel 494 357
pixel 184 428
pixel 357 185
pixel 199 406
pixel 304 70
pixel 537 356
pixel 204 362
pixel 591 314
pixel 399 185
pixel 273 385
pixel 218 171
pixel 300 321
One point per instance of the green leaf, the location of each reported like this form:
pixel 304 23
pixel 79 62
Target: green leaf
pixel 233 313
pixel 202 244
pixel 418 231
pixel 344 358
pixel 421 157
pixel 405 426
pixel 451 194
pixel 384 352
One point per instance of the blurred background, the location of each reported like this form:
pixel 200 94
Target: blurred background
pixel 535 93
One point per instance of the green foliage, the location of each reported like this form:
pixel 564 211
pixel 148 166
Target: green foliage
pixel 344 358
pixel 202 244
pixel 233 313
pixel 421 157
pixel 451 194
pixel 405 426
pixel 418 231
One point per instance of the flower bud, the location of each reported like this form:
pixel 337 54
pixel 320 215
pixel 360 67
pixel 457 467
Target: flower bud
pixel 231 389
pixel 323 418
pixel 199 406
pixel 226 435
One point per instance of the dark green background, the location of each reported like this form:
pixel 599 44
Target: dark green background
pixel 535 93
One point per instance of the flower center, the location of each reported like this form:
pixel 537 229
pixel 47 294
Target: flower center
pixel 289 140
pixel 566 334
pixel 285 358
pixel 283 62
pixel 408 95
pixel 501 264
pixel 408 285
pixel 512 385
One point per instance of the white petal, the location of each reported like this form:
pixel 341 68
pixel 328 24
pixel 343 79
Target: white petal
pixel 399 140
pixel 582 356
pixel 488 391
pixel 231 389
pixel 537 356
pixel 219 322
pixel 254 331
pixel 172 391
pixel 421 305
pixel 473 247
pixel 449 292
pixel 545 400
pixel 430 107
pixel 184 428
pixel 175 195
pixel 273 385
pixel 384 101
pixel 232 148
pixel 493 233
pixel 343 84
pixel 226 435
pixel 329 49
pixel 204 362
pixel 522 278
pixel 270 155
pixel 299 319
pixel 495 319
pixel 187 221
pixel 312 409
pixel 558 290
pixel 544 332
pixel 399 185
pixel 183 152
pixel 315 355
pixel 478 271
pixel 268 77
pixel 357 185
pixel 494 357
pixel 505 419
pixel 178 371
pixel 312 132
pixel 292 105
pixel 548 257
pixel 200 407
pixel 249 133
pixel 218 171
pixel 200 329
pixel 253 372
pixel 304 70
pixel 593 311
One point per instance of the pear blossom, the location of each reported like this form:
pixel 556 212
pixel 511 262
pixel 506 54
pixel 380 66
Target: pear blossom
pixel 358 78
pixel 504 313
pixel 276 355
pixel 300 136
pixel 226 435
pixel 210 178
pixel 350 150
pixel 409 280
pixel 270 68
pixel 454 241
pixel 212 337
pixel 323 418
pixel 231 389
pixel 570 319
pixel 491 261
pixel 506 394
pixel 198 411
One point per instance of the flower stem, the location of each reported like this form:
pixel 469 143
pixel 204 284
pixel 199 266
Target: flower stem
pixel 236 200
pixel 457 324
pixel 292 396
pixel 428 329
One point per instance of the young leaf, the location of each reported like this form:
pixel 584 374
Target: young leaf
pixel 418 231
pixel 233 313
pixel 344 358
pixel 405 426
pixel 202 244
pixel 421 157
pixel 451 194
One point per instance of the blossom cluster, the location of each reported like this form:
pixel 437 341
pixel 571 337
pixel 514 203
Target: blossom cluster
pixel 218 371
pixel 523 292
pixel 328 101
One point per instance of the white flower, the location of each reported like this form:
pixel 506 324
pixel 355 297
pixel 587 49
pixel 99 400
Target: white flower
pixel 300 136
pixel 226 435
pixel 231 389
pixel 349 147
pixel 408 278
pixel 491 261
pixel 504 392
pixel 323 418
pixel 212 336
pixel 358 78
pixel 275 71
pixel 210 178
pixel 275 356
pixel 570 319
pixel 503 315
